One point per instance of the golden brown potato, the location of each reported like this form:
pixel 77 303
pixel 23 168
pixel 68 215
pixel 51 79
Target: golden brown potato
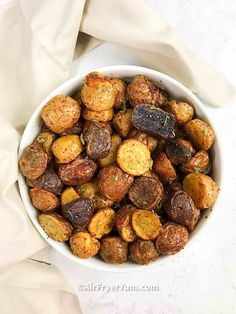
pixel 33 161
pixel 84 245
pixel 201 188
pixel 68 195
pixel 163 167
pixel 200 133
pixel 101 201
pixel 145 138
pixel 55 226
pixel 133 157
pixel 60 113
pixel 114 183
pixel 123 222
pixel 182 111
pixel 98 93
pixel 46 139
pixel 102 222
pixel 143 252
pixel 122 122
pixel 198 163
pixel 111 157
pixel 102 116
pixel 172 239
pixel 120 88
pixel 67 148
pixel 113 250
pixel 142 91
pixel 146 224
pixel 44 200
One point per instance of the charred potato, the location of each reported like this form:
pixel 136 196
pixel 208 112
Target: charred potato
pixel 146 224
pixel 120 88
pixel 84 245
pixel 143 252
pixel 123 222
pixel 46 139
pixel 33 161
pixel 111 157
pixel 60 113
pixel 200 133
pixel 201 188
pixel 133 157
pixel 164 168
pixel 68 195
pixel 198 163
pixel 114 183
pixel 172 239
pixel 102 223
pixel 122 122
pixel 182 111
pixel 113 250
pixel 55 226
pixel 67 148
pixel 103 116
pixel 145 138
pixel 44 200
pixel 177 152
pixel 98 93
pixel 142 91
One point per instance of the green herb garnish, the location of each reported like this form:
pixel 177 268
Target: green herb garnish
pixel 114 177
pixel 151 164
pixel 196 169
pixel 82 138
pixel 205 132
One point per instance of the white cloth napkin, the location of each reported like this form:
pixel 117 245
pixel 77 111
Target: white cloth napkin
pixel 37 44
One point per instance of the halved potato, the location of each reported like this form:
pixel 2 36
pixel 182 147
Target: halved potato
pixel 102 116
pixel 46 139
pixel 68 195
pixel 84 245
pixel 164 168
pixel 123 223
pixel 146 224
pixel 122 122
pixel 67 148
pixel 120 88
pixel 134 157
pixel 55 226
pixel 111 157
pixel 44 200
pixel 182 111
pixel 102 222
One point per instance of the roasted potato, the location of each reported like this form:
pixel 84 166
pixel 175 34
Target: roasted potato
pixel 133 157
pixel 103 116
pixel 75 129
pixel 97 140
pixel 60 113
pixel 55 226
pixel 68 195
pixel 48 181
pixel 101 201
pixel 146 192
pixel 187 144
pixel 98 93
pixel 120 88
pixel 114 183
pixel 46 139
pixel 79 212
pixel 200 133
pixel 198 163
pixel 145 138
pixel 155 121
pixel 79 171
pixel 122 122
pixel 105 125
pixel 142 91
pixel 113 250
pixel 143 252
pixel 164 168
pixel 201 188
pixel 181 209
pixel 112 155
pixel 67 148
pixel 102 222
pixel 33 161
pixel 123 222
pixel 177 152
pixel 146 224
pixel 84 245
pixel 172 239
pixel 182 111
pixel 44 200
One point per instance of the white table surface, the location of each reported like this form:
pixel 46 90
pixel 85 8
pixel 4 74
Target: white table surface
pixel 201 278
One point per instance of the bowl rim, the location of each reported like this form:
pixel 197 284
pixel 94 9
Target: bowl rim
pixel 67 84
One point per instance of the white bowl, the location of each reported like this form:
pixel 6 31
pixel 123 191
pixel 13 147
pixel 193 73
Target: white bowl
pixel 176 90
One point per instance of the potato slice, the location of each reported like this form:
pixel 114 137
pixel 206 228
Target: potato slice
pixel 68 195
pixel 200 133
pixel 67 148
pixel 133 157
pixel 123 223
pixel 55 226
pixel 44 200
pixel 111 157
pixel 122 122
pixel 182 111
pixel 164 168
pixel 146 224
pixel 201 188
pixel 102 222
pixel 84 245
pixel 102 116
